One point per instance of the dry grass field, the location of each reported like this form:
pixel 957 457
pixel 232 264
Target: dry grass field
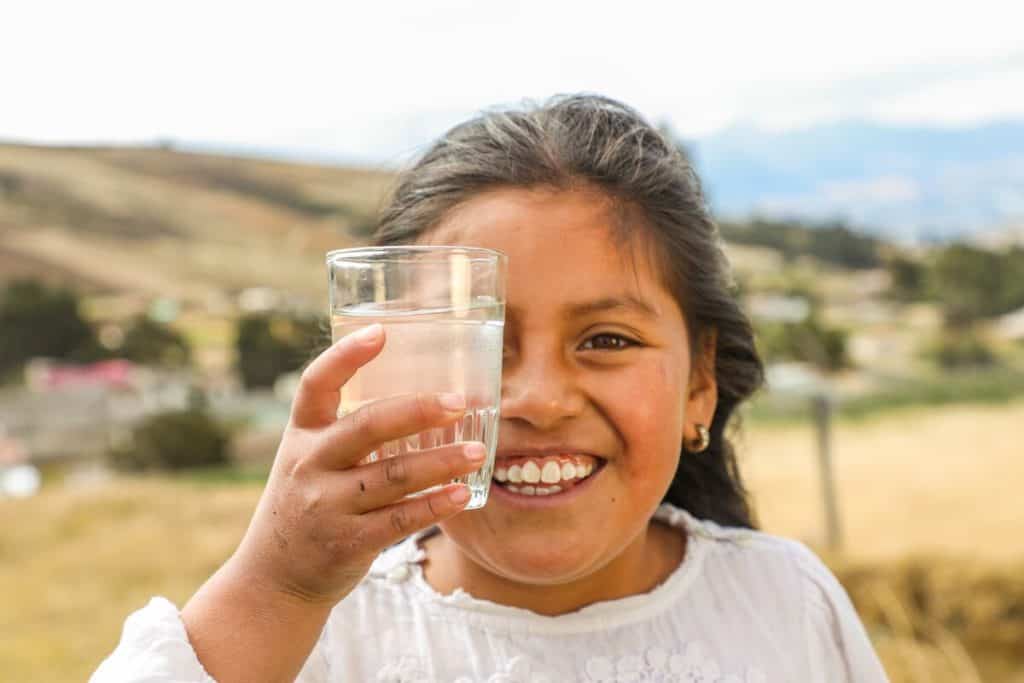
pixel 934 553
pixel 932 481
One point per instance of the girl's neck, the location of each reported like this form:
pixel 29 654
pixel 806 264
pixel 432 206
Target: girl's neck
pixel 645 564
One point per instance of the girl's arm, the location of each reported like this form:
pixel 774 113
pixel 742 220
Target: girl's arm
pixel 155 648
pixel 238 627
pixel 321 521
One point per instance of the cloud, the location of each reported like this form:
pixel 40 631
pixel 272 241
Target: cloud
pixel 959 100
pixel 884 189
pixel 383 77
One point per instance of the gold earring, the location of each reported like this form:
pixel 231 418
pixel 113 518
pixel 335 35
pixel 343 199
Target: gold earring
pixel 703 440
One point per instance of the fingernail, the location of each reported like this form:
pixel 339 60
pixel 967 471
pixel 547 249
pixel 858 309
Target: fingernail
pixel 368 335
pixel 454 403
pixel 475 453
pixel 459 496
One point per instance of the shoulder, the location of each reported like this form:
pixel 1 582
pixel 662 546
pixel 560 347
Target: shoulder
pixel 772 571
pixel 740 552
pixel 785 576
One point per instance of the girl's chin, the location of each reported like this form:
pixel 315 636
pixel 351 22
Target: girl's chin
pixel 540 571
pixel 533 557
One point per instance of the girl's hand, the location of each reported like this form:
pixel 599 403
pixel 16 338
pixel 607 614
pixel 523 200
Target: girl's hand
pixel 323 517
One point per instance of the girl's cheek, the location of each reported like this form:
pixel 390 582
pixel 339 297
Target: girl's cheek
pixel 650 409
pixel 656 396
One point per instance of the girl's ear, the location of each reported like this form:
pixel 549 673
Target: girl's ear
pixel 703 388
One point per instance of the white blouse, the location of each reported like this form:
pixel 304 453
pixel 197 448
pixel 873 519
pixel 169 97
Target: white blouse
pixel 742 607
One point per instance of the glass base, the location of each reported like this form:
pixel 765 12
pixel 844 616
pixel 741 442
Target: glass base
pixel 476 425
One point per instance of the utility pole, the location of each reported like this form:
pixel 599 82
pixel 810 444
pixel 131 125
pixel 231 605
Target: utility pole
pixel 822 410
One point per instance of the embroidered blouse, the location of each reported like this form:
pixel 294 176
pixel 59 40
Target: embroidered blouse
pixel 742 607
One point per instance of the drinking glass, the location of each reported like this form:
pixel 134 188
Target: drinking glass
pixel 443 312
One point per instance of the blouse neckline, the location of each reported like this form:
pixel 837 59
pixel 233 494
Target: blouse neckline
pixel 406 564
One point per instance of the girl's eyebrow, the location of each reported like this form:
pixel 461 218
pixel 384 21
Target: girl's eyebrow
pixel 626 302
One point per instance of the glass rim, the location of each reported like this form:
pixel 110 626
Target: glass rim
pixel 371 254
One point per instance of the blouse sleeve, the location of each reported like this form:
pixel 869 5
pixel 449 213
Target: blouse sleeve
pixel 838 647
pixel 154 648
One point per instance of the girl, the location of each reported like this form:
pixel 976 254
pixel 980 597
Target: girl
pixel 625 357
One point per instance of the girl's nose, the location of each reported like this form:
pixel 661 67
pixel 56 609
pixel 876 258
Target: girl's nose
pixel 542 393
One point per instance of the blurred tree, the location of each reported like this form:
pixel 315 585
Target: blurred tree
pixel 1013 278
pixel 271 344
pixel 909 278
pixel 836 242
pixel 959 350
pixel 809 341
pixel 151 343
pixel 968 284
pixel 173 441
pixel 832 242
pixel 37 321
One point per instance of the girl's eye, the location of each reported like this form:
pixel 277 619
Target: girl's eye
pixel 608 342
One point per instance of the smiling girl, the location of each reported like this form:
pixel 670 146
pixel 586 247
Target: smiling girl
pixel 617 543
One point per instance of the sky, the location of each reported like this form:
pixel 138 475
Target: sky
pixel 376 81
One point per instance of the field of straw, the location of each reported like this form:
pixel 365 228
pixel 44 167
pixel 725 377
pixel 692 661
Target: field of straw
pixel 933 551
pixel 933 531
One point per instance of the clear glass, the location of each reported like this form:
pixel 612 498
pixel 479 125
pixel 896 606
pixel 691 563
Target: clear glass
pixel 443 311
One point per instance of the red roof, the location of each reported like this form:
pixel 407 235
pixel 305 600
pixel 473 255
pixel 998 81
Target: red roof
pixel 112 374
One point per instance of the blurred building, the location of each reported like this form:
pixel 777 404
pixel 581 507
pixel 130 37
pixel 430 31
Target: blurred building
pixel 1011 326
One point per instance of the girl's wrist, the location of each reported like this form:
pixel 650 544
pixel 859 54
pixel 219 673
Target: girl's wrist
pixel 265 592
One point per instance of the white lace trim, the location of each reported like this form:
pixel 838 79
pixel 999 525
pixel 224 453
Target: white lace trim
pixel 655 665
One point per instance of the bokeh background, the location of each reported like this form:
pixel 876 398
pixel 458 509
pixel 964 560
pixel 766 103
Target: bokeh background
pixel 172 175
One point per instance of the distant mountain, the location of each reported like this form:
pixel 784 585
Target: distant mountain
pixel 904 183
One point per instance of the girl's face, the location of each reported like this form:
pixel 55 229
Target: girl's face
pixel 596 375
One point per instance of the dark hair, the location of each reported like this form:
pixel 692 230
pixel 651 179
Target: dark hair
pixel 595 141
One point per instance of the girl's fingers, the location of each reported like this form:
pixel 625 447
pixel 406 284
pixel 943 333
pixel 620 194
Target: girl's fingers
pixel 387 481
pixel 352 437
pixel 390 524
pixel 317 398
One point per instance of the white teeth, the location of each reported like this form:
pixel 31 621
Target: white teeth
pixel 534 490
pixel 551 472
pixel 531 473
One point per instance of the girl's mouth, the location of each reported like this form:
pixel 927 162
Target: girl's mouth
pixel 544 476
